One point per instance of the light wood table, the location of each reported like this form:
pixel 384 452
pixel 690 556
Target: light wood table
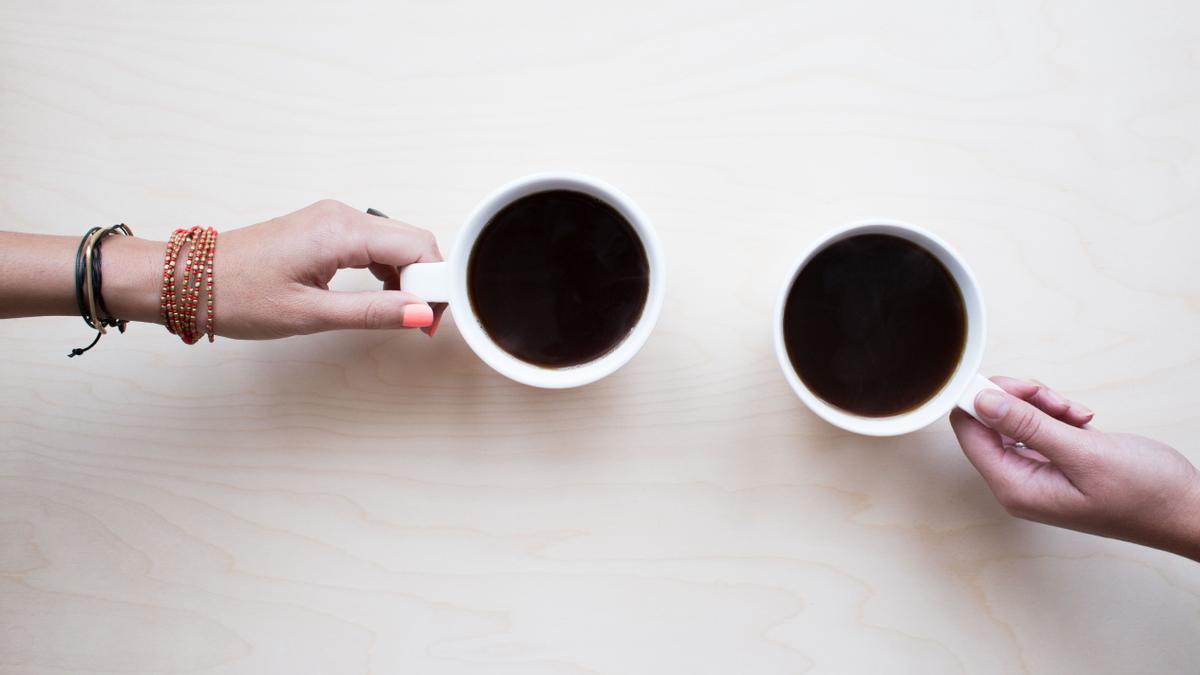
pixel 382 502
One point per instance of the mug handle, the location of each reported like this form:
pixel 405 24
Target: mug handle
pixel 428 281
pixel 966 401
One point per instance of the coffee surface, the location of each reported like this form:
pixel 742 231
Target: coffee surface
pixel 558 278
pixel 875 325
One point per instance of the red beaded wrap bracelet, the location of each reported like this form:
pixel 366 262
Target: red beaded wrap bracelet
pixel 180 301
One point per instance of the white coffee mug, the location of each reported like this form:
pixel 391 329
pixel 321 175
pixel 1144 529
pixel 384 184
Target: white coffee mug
pixel 447 282
pixel 962 386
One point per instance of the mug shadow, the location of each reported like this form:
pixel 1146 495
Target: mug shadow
pixel 920 479
pixel 408 390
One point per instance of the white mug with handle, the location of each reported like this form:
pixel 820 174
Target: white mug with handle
pixel 447 282
pixel 962 386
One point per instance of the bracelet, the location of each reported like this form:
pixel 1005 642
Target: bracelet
pixel 89 296
pixel 210 254
pixel 179 303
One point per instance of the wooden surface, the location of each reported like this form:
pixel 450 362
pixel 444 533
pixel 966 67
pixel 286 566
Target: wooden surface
pixel 381 502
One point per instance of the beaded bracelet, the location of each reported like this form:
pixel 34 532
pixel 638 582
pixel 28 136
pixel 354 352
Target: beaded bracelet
pixel 167 298
pixel 179 304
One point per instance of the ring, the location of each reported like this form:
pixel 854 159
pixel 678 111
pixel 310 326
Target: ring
pixel 1019 444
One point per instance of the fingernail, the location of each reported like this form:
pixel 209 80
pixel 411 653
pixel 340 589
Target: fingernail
pixel 416 316
pixel 1081 411
pixel 991 404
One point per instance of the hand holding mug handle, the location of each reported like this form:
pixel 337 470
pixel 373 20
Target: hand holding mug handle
pixel 966 400
pixel 429 281
pixel 1045 462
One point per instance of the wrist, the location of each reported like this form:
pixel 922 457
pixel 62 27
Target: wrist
pixel 1186 538
pixel 132 278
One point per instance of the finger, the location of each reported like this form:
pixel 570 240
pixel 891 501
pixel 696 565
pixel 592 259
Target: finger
pixel 1022 450
pixel 1007 473
pixel 1080 416
pixel 390 276
pixel 1024 486
pixel 981 446
pixel 360 239
pixel 1021 421
pixel 387 274
pixel 1048 400
pixel 1028 453
pixel 1067 411
pixel 390 242
pixel 438 309
pixel 337 310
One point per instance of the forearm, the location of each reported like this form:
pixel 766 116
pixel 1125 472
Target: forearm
pixel 37 276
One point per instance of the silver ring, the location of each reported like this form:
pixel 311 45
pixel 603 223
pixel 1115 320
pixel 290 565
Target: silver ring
pixel 1019 444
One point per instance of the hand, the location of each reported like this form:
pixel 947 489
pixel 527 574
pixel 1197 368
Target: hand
pixel 1073 476
pixel 272 279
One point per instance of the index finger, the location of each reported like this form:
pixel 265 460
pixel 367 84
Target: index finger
pixel 387 251
pixel 1049 401
pixel 390 242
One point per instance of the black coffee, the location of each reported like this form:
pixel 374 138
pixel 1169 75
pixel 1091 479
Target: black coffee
pixel 875 325
pixel 558 278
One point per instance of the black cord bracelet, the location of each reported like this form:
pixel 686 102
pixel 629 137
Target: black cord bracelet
pixel 106 318
pixel 83 309
pixel 91 285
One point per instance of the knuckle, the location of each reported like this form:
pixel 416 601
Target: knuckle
pixel 329 206
pixel 375 315
pixel 329 217
pixel 1026 426
pixel 425 237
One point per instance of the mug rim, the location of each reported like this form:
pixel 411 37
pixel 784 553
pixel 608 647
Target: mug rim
pixel 945 399
pixel 497 357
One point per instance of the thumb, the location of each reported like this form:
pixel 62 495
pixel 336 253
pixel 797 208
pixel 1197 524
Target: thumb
pixel 1008 415
pixel 336 310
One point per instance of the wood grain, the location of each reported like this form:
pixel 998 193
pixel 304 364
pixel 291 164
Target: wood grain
pixel 382 502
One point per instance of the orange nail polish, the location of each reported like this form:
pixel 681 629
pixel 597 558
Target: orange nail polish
pixel 417 316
